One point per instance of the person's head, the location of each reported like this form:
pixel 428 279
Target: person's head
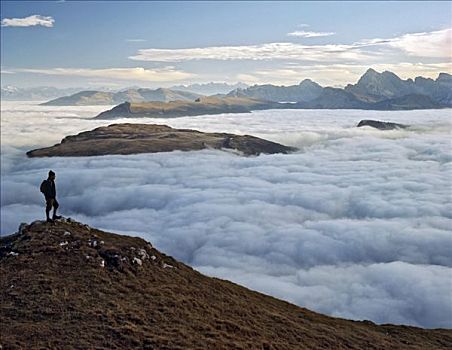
pixel 51 175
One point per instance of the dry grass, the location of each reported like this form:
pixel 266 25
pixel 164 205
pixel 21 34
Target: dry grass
pixel 58 296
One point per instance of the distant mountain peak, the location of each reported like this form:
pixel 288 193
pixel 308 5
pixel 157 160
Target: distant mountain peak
pixel 308 82
pixel 371 71
pixel 444 77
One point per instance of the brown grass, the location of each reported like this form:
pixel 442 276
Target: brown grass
pixel 60 297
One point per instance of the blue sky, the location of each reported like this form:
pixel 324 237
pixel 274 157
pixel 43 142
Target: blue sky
pixel 98 43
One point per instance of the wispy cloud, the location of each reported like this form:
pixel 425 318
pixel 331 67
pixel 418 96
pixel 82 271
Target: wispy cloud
pixel 425 44
pixel 435 44
pixel 305 34
pixel 270 51
pixel 4 71
pixel 30 21
pixel 135 40
pixel 130 74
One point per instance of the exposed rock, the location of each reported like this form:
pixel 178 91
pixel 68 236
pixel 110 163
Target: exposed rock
pixel 137 261
pixel 82 297
pixel 381 125
pixel 151 138
pixel 22 227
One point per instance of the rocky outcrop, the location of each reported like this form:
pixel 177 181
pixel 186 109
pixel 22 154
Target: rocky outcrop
pixel 381 125
pixel 386 90
pixel 150 138
pixel 376 86
pixel 70 286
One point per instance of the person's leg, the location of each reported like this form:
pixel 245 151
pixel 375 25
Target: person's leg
pixel 55 207
pixel 48 208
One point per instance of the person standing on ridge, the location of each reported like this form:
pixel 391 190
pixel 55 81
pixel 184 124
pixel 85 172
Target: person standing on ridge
pixel 49 190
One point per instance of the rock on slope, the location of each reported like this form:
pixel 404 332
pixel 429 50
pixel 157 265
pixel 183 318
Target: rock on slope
pixel 150 138
pixel 69 286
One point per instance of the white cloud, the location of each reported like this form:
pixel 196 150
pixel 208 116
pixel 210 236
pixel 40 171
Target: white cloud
pixel 430 44
pixel 135 40
pixel 306 34
pixel 435 44
pixel 270 51
pixel 130 74
pixel 412 48
pixel 34 20
pixel 343 227
pixel 303 25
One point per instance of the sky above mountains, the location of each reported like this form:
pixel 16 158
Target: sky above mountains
pixel 153 44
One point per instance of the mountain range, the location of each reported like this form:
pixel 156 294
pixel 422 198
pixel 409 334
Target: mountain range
pixel 70 286
pixel 373 91
pixel 211 88
pixel 380 91
pixel 83 98
pixel 42 93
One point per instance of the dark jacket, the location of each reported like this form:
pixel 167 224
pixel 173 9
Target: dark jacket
pixel 48 189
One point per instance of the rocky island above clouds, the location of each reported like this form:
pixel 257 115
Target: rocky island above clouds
pixel 150 138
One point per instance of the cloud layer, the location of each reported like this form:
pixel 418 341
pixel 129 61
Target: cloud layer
pixel 435 44
pixel 30 21
pixel 355 225
pixel 131 74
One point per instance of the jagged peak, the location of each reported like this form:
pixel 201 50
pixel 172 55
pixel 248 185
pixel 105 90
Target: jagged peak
pixel 371 71
pixel 444 76
pixel 390 74
pixel 308 82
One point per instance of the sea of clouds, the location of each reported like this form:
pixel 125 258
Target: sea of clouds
pixel 357 224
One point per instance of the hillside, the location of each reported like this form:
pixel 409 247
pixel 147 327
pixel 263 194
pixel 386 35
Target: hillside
pixel 66 285
pixel 86 98
pixel 201 106
pixel 130 138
